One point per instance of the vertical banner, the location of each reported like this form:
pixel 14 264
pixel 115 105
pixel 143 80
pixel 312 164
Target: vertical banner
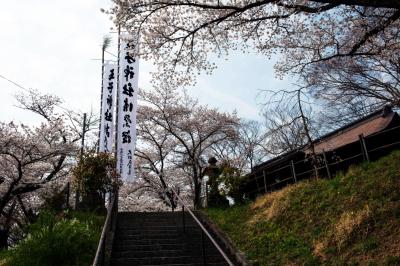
pixel 107 107
pixel 127 105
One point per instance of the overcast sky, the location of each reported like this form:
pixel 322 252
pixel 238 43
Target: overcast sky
pixel 49 45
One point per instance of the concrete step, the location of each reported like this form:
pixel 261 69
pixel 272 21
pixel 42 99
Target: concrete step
pixel 147 230
pixel 165 260
pixel 136 226
pixel 146 241
pixel 154 251
pixel 152 237
pixel 161 247
pixel 177 221
pixel 139 254
pixel 159 239
pixel 188 233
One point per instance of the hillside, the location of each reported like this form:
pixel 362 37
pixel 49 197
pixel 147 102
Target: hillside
pixel 352 219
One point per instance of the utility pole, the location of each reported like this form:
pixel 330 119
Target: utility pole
pixel 83 134
pixel 77 194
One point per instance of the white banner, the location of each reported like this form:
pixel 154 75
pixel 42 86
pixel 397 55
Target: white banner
pixel 107 109
pixel 127 105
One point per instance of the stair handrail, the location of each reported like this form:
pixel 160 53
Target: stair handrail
pixel 203 228
pixel 112 210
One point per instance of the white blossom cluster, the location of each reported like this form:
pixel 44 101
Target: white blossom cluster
pixel 179 35
pixel 175 136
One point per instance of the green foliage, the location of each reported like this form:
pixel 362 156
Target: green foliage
pixel 233 183
pixel 96 173
pixel 280 245
pixel 264 243
pixel 368 244
pixel 392 261
pixel 55 199
pixel 352 218
pixel 69 238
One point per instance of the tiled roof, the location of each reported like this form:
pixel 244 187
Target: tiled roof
pixel 351 134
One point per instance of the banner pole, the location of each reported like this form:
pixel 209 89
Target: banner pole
pixel 117 100
pixel 101 93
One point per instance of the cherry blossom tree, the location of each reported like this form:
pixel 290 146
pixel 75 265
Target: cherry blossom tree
pixel 30 158
pixel 176 134
pixel 34 157
pixel 154 152
pixel 345 52
pixel 49 108
pixel 179 36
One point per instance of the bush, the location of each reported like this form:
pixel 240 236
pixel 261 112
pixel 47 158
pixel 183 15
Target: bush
pixel 69 238
pixel 55 198
pixel 233 183
pixel 95 173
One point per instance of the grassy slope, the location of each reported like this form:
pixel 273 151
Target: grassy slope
pixel 352 219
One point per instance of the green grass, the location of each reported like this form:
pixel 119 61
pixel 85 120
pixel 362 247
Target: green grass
pixel 68 238
pixel 352 219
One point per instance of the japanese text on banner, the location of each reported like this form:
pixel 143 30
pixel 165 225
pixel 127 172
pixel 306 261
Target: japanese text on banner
pixel 127 105
pixel 107 109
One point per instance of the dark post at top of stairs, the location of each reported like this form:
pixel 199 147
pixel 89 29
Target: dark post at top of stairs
pixel 159 238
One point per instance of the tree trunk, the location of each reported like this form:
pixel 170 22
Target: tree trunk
pixel 3 238
pixel 7 197
pixel 197 191
pixel 314 161
pixel 5 228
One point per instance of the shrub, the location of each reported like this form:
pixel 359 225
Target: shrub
pixel 69 238
pixel 233 183
pixel 95 173
pixel 54 198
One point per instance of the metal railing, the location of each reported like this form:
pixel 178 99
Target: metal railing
pixel 100 258
pixel 203 231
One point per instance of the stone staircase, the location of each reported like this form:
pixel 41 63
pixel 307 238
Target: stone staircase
pixel 159 238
